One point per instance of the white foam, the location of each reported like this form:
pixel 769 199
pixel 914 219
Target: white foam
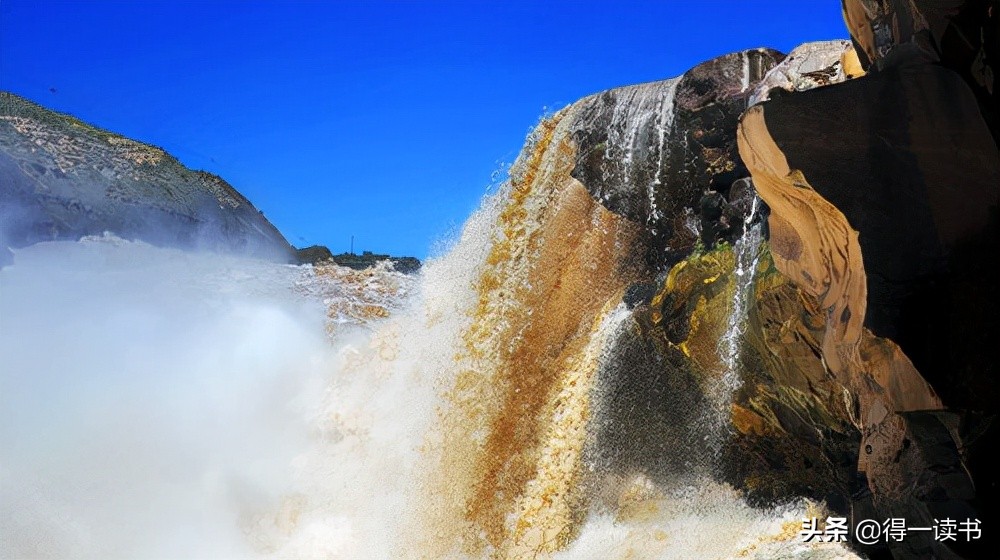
pixel 161 404
pixel 708 521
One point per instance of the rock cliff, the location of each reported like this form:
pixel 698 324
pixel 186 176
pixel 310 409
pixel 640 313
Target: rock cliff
pixel 663 154
pixel 848 356
pixel 884 194
pixel 63 179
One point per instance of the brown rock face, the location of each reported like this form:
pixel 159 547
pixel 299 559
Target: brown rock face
pixel 795 434
pixel 884 214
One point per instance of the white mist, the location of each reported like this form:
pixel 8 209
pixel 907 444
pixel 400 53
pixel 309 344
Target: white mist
pixel 150 399
pixel 162 404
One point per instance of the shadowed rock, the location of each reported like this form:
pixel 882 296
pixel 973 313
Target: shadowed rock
pixel 961 35
pixel 879 214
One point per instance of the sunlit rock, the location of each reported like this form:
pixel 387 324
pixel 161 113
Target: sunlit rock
pixel 64 179
pixel 809 66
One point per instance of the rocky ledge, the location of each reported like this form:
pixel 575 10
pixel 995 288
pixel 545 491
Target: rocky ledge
pixel 884 194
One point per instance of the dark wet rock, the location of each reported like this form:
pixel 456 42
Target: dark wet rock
pixel 639 293
pixel 63 179
pixel 743 208
pixel 792 433
pixel 649 152
pixel 789 432
pixel 647 391
pixel 716 218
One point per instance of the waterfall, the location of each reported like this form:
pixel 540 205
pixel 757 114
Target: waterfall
pixel 747 256
pixel 446 416
pixel 636 146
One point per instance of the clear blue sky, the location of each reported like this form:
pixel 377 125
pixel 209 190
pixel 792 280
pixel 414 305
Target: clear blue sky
pixel 384 120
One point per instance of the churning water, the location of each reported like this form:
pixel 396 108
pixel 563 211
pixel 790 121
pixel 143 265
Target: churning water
pixel 162 404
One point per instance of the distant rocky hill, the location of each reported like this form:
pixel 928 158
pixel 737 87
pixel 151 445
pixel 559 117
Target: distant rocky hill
pixel 61 178
pixel 313 254
pixel 367 259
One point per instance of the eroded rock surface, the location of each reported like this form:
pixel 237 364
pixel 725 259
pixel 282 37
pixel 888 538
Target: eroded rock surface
pixel 810 66
pixel 881 215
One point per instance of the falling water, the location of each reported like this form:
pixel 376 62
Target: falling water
pixel 664 121
pixel 747 255
pixel 637 132
pixel 202 405
pixel 204 409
